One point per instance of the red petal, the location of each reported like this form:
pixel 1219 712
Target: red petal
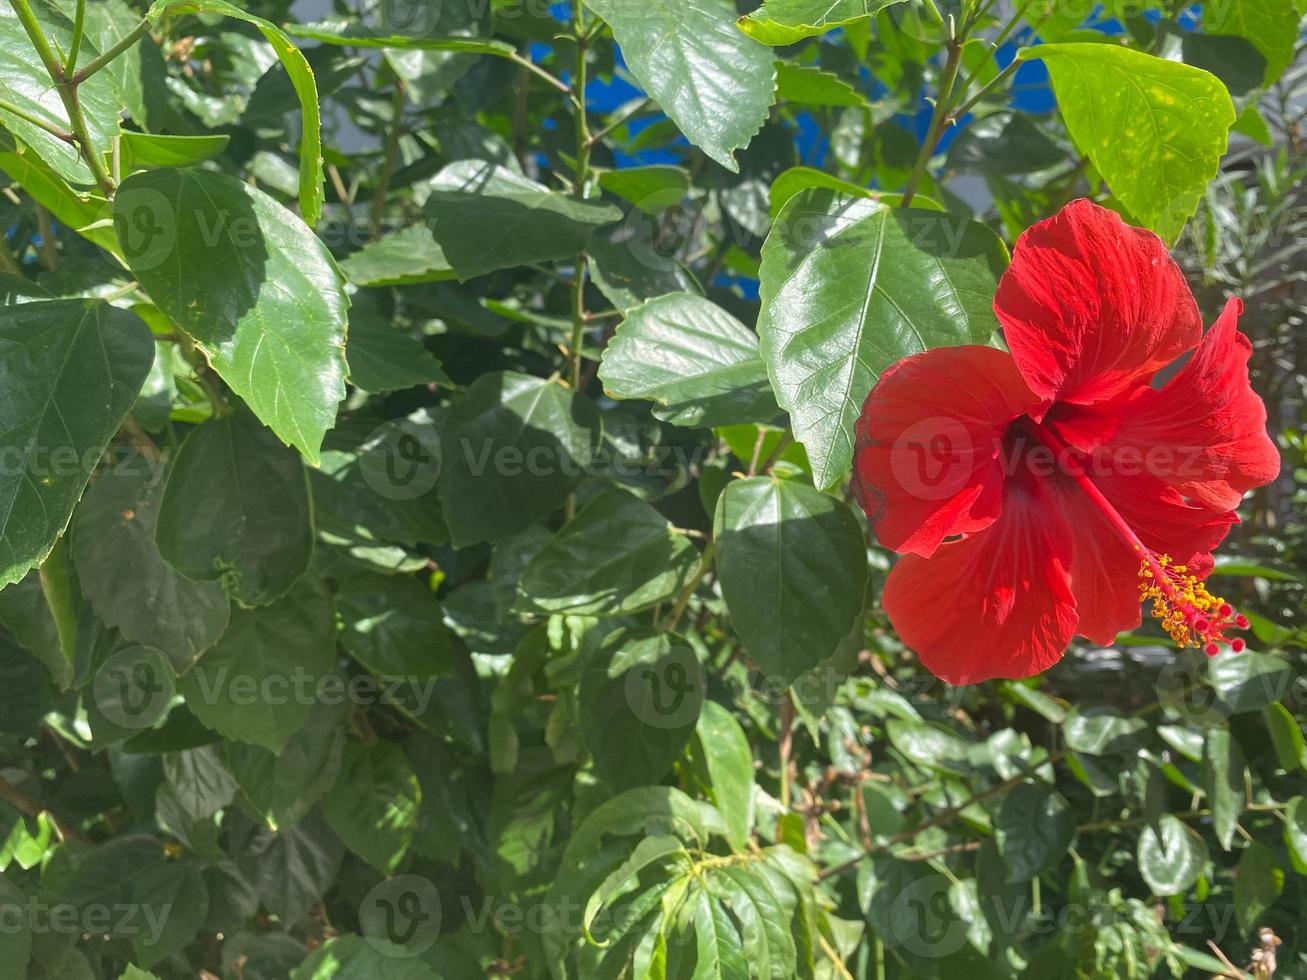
pixel 997 603
pixel 927 463
pixel 1105 569
pixel 1204 433
pixel 1091 307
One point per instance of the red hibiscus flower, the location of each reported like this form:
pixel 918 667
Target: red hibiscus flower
pixel 1045 492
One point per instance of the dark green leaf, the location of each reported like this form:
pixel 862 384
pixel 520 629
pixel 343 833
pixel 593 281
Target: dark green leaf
pixel 128 582
pixel 793 569
pixel 373 806
pixel 783 22
pixel 619 556
pixel 1223 775
pixel 849 287
pixel 236 507
pixel 269 310
pixel 1258 882
pixel 258 684
pixel 485 217
pixel 696 361
pixel 71 371
pixel 715 83
pixel 1034 828
pixel 639 698
pixel 515 446
pixel 382 357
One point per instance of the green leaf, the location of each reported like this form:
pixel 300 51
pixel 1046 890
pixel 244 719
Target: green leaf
pixel 353 958
pixel 71 369
pixel 394 626
pixel 382 357
pixel 618 557
pixel 503 421
pixel 16 939
pixel 1223 781
pixel 404 258
pixel 1006 144
pixel 178 887
pixel 793 570
pixel 723 748
pixel 127 581
pixel 141 151
pixel 373 806
pixel 1034 828
pixel 301 77
pixel 200 782
pixel 1155 129
pixel 630 269
pixel 486 217
pixel 698 363
pixel 849 287
pixel 1102 731
pixel 1271 26
pixel 1286 736
pixel 797 179
pixel 1249 681
pixel 783 22
pixel 257 685
pixel 25 83
pixel 269 310
pixel 812 86
pixel 1171 856
pixel 711 80
pixel 285 785
pixel 256 532
pixel 290 869
pixel 1258 882
pixel 359 36
pixel 83 211
pixel 651 189
pixel 1295 832
pixel 639 698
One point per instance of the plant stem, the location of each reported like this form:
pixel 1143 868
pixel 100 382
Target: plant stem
pixel 388 161
pixel 100 60
pixel 937 120
pixel 67 92
pixel 79 24
pixel 989 86
pixel 23 9
pixel 539 72
pixel 620 121
pixel 26 116
pixel 948 815
pixel 706 562
pixel 583 147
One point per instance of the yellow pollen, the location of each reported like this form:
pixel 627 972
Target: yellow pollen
pixel 1191 615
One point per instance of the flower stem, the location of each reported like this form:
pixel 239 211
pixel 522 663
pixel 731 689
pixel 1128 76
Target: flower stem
pixel 67 88
pixel 937 120
pixel 98 62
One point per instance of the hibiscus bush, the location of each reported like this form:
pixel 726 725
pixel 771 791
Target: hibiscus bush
pixel 653 488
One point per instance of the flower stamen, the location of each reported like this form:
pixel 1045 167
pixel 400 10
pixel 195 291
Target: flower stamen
pixel 1191 615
